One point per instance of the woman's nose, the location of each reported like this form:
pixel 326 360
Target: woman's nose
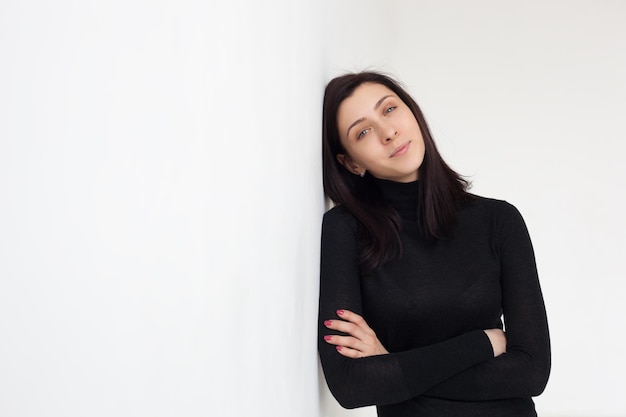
pixel 390 133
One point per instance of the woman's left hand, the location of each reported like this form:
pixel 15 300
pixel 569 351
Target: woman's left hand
pixel 360 342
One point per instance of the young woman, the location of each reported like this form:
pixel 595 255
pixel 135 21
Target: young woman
pixel 416 272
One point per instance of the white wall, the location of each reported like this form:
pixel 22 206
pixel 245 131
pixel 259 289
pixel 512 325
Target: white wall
pixel 161 200
pixel 527 98
pixel 160 190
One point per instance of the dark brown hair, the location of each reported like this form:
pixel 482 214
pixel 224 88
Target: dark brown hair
pixel 440 192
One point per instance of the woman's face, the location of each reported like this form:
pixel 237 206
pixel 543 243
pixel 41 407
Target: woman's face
pixel 380 134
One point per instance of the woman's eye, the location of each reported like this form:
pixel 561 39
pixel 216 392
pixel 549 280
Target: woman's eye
pixel 390 109
pixel 362 133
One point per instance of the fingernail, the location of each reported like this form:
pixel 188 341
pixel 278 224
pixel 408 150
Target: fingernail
pixel 340 312
pixel 327 337
pixel 338 348
pixel 328 323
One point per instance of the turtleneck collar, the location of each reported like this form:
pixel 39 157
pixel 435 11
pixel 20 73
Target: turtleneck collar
pixel 402 196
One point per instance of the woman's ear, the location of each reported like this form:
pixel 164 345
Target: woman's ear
pixel 347 162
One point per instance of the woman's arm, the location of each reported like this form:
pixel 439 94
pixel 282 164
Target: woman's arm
pixel 360 340
pixel 523 371
pixel 385 378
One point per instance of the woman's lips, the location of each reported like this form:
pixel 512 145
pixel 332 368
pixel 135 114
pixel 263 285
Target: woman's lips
pixel 401 150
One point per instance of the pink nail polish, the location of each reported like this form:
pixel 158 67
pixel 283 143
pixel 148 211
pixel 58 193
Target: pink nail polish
pixel 338 348
pixel 328 323
pixel 340 312
pixel 327 337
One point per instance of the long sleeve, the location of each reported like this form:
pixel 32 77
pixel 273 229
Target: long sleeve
pixel 523 371
pixel 383 379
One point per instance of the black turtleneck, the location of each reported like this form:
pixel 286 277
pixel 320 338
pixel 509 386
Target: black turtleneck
pixel 402 196
pixel 429 308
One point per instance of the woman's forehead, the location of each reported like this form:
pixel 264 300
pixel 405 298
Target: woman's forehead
pixel 365 98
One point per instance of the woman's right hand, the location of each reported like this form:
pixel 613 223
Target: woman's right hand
pixel 361 341
pixel 498 341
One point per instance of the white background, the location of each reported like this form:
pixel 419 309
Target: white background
pixel 160 186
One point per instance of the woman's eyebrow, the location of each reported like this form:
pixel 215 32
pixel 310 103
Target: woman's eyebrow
pixel 377 105
pixel 379 102
pixel 356 122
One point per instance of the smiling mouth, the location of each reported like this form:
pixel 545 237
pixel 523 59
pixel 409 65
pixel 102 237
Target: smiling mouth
pixel 400 150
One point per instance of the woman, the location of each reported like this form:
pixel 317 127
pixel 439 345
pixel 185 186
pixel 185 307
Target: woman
pixel 416 273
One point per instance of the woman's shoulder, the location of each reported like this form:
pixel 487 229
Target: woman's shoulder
pixel 499 211
pixel 339 213
pixel 339 216
pixel 491 204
